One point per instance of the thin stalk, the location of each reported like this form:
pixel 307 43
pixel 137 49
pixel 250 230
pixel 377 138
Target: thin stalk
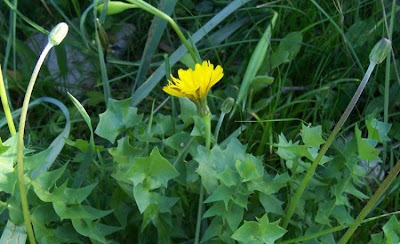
pixel 293 203
pixel 149 126
pixel 20 156
pixel 6 107
pixel 149 8
pixel 334 229
pixel 207 123
pixel 24 18
pixel 346 41
pixel 218 127
pixel 103 68
pixel 371 203
pixel 386 103
pixel 387 74
pixel 173 105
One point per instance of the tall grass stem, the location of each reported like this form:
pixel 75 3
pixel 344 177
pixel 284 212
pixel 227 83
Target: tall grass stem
pixel 371 203
pixel 294 202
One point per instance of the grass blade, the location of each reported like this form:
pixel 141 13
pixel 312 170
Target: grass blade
pixel 155 33
pixel 84 167
pixel 26 19
pixel 255 62
pixel 145 89
pixel 353 53
pixel 103 68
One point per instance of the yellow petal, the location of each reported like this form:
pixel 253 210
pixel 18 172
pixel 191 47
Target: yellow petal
pixel 216 76
pixel 172 90
pixel 174 80
pixel 194 83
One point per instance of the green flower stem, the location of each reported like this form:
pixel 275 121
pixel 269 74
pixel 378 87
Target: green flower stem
pixel 226 107
pixel 370 204
pixel 20 156
pixel 149 8
pixel 207 128
pixel 293 203
pixel 6 107
pixel 207 124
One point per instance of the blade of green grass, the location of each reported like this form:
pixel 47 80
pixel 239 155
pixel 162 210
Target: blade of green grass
pixel 389 30
pixel 70 23
pixel 155 33
pixel 82 28
pixel 104 11
pixel 103 68
pixel 353 53
pixel 88 158
pixel 145 89
pixel 255 62
pixel 10 43
pixel 222 34
pixel 26 19
pixel 76 8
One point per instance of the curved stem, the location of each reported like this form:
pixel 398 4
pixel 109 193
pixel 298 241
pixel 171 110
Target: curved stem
pixel 207 123
pixel 218 127
pixel 20 156
pixel 6 106
pixel 370 204
pixel 293 203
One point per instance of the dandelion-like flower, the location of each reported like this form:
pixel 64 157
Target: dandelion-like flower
pixel 194 84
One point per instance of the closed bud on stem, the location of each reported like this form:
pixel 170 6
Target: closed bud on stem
pixel 58 33
pixel 102 35
pixel 227 105
pixel 380 51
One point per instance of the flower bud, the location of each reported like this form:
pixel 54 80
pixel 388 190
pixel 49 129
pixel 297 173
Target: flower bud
pixel 380 51
pixel 227 105
pixel 102 36
pixel 116 7
pixel 58 33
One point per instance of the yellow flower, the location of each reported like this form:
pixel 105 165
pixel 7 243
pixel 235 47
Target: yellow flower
pixel 194 84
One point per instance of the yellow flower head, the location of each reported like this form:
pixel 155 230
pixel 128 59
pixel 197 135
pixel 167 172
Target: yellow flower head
pixel 194 84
